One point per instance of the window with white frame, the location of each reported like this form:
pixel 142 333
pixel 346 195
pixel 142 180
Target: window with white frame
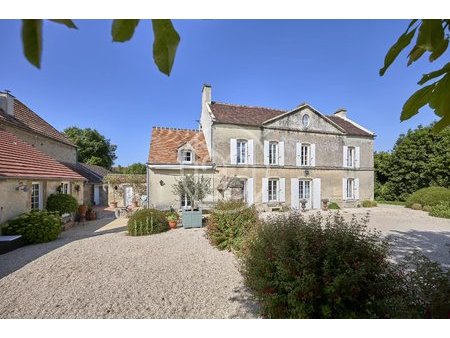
pixel 35 196
pixel 272 190
pixel 65 188
pixel 305 154
pixel 185 201
pixel 350 193
pixel 273 152
pixel 241 151
pixel 351 157
pixel 304 187
pixel 186 156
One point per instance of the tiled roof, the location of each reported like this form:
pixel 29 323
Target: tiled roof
pixel 93 173
pixel 166 142
pixel 19 159
pixel 25 118
pixel 256 116
pixel 349 127
pixel 243 115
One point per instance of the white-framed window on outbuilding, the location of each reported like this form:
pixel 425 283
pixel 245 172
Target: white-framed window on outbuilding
pixel 36 196
pixel 186 156
pixel 65 188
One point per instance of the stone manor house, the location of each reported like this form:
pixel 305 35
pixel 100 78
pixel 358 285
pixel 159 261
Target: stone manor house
pixel 266 157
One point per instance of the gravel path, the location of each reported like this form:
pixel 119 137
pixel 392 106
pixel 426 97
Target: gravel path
pixel 96 271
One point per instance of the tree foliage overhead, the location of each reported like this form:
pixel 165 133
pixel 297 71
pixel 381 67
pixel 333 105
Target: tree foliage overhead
pixel 432 38
pixel 419 159
pixel 93 147
pixel 135 168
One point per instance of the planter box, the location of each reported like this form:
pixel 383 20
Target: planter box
pixel 191 218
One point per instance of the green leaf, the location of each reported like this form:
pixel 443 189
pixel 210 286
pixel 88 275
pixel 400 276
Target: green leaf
pixel 441 124
pixel 165 45
pixel 123 29
pixel 403 41
pixel 66 22
pixel 32 40
pixel 415 54
pixel 440 100
pixel 431 35
pixel 439 50
pixel 416 101
pixel 432 75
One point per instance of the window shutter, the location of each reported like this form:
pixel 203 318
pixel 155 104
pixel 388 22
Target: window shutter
pixel 281 153
pixel 233 150
pixel 282 189
pixel 357 157
pixel 249 190
pixel 357 188
pixel 345 156
pixel 298 154
pixel 294 193
pixel 313 155
pixel 265 190
pixel 344 189
pixel 266 152
pixel 316 193
pixel 250 151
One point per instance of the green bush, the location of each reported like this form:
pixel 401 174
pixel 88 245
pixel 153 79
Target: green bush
pixel 391 202
pixel 35 226
pixel 333 205
pixel 429 196
pixel 441 210
pixel 369 204
pixel 228 224
pixel 316 268
pixel 427 208
pixel 147 222
pixel 416 206
pixel 62 203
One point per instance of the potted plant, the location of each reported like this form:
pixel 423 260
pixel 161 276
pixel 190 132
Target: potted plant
pixel 90 213
pixel 172 218
pixel 303 204
pixel 325 203
pixel 196 188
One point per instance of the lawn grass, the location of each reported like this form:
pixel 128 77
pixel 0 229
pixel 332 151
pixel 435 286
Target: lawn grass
pixel 391 202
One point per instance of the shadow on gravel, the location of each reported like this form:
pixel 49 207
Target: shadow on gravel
pixel 434 244
pixel 247 305
pixel 14 260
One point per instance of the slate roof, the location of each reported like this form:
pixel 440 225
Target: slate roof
pixel 349 127
pixel 93 173
pixel 27 119
pixel 166 142
pixel 21 160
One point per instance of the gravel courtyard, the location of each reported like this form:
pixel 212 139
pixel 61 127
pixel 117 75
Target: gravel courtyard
pixel 96 271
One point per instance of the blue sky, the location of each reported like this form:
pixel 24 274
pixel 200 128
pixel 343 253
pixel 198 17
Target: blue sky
pixel 88 81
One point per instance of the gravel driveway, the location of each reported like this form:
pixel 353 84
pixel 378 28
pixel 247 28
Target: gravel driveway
pixel 96 271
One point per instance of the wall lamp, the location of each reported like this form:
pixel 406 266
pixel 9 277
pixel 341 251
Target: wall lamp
pixel 22 186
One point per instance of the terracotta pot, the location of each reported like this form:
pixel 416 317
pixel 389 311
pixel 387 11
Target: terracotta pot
pixel 91 215
pixel 113 204
pixel 173 224
pixel 134 204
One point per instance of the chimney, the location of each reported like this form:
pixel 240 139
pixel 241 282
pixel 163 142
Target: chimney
pixel 341 112
pixel 7 102
pixel 206 94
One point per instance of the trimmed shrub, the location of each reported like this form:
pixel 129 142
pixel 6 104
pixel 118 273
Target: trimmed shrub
pixel 429 196
pixel 62 203
pixel 330 268
pixel 35 226
pixel 427 208
pixel 228 224
pixel 369 204
pixel 333 205
pixel 147 222
pixel 416 206
pixel 441 210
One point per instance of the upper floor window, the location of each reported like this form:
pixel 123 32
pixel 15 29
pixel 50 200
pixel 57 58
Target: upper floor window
pixel 350 156
pixel 305 121
pixel 186 156
pixel 305 154
pixel 272 190
pixel 273 153
pixel 241 151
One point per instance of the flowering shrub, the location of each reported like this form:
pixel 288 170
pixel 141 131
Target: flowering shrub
pixel 147 222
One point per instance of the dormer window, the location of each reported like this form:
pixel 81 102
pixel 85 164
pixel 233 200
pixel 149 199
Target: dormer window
pixel 186 156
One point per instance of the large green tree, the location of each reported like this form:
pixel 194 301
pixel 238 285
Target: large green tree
pixel 93 147
pixel 135 168
pixel 420 159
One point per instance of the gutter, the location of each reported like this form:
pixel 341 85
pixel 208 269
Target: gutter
pixel 180 166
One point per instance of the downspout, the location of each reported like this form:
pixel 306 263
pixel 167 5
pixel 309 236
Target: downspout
pixel 147 178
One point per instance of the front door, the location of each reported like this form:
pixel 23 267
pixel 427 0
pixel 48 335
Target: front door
pixel 128 195
pixel 97 195
pixel 304 193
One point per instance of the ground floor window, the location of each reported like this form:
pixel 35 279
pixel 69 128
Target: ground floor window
pixel 304 189
pixel 185 201
pixel 350 188
pixel 36 196
pixel 273 190
pixel 65 188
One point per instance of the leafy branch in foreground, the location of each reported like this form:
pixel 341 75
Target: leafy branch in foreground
pixel 432 37
pixel 166 39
